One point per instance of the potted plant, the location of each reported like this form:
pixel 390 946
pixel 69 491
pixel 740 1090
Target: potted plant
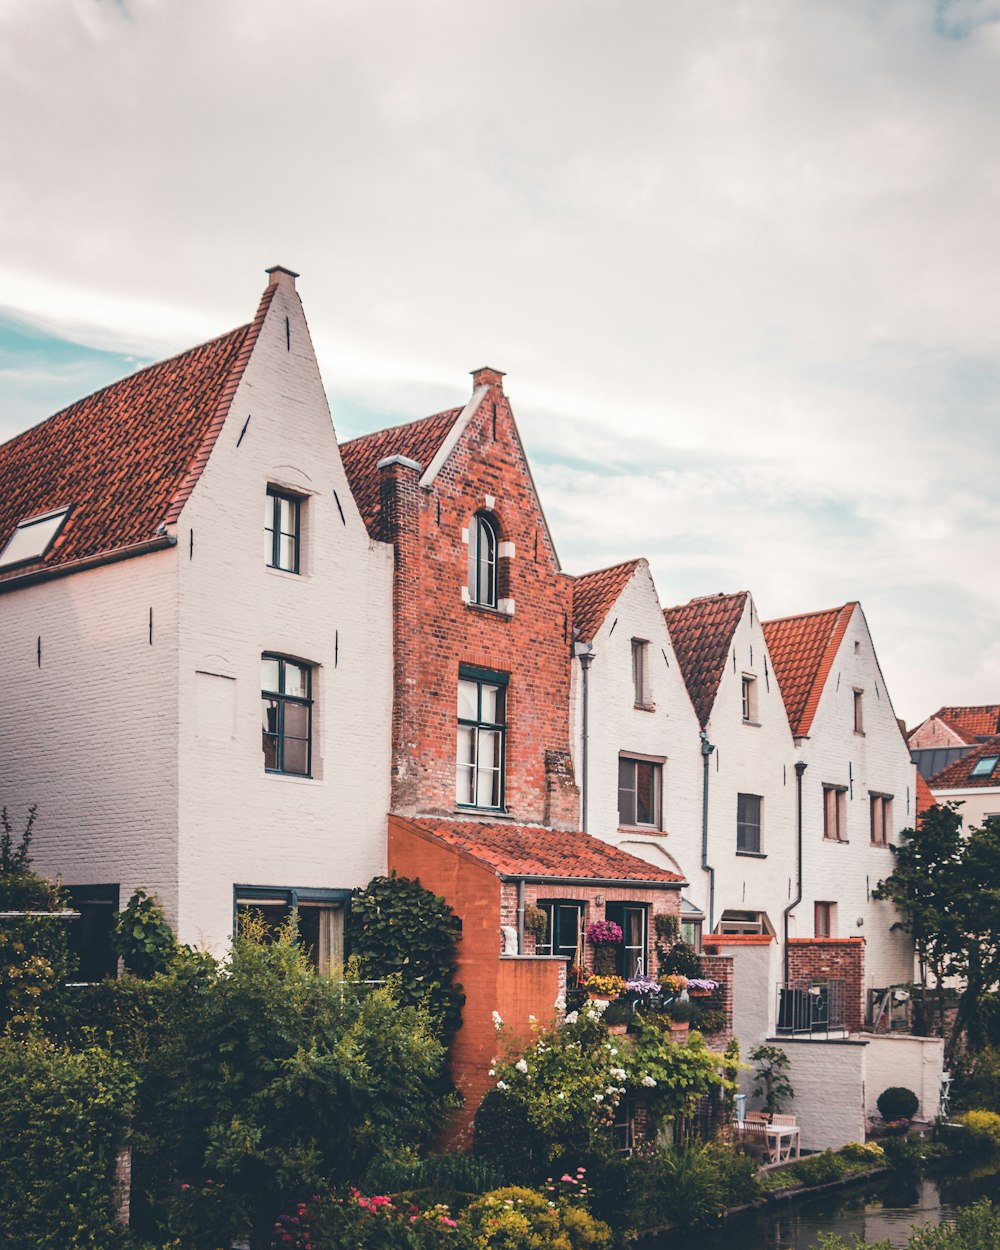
pixel 604 936
pixel 701 987
pixel 673 983
pixel 680 1014
pixel 535 923
pixel 604 987
pixel 618 1016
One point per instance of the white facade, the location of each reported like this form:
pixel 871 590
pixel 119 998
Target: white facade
pixel 977 804
pixel 145 756
pixel 861 763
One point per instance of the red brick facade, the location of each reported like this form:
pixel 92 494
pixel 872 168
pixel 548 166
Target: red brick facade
pixel 832 959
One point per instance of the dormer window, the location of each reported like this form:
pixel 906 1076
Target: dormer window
pixel 483 561
pixel 32 538
pixel 984 766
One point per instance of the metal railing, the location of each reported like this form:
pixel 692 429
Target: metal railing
pixel 811 1007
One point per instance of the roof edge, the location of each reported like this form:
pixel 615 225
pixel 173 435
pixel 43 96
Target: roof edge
pixel 451 438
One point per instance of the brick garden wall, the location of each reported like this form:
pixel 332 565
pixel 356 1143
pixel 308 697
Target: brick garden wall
pixel 840 959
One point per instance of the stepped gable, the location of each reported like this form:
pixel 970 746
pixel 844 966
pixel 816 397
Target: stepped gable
pixel 417 440
pixel 803 649
pixel 701 632
pixel 534 851
pixel 958 774
pixel 594 595
pixel 125 459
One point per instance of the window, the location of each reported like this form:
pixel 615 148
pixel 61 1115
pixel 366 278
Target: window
pixel 745 922
pixel 282 520
pixel 90 936
pixel 631 956
pixel 482 561
pixel 623 1131
pixel 750 699
pixel 748 824
pixel 639 784
pixel 320 918
pixel 835 813
pixel 880 806
pixel 32 538
pixel 640 688
pixel 859 712
pixel 286 694
pixel 563 929
pixel 984 766
pixel 479 773
pixel 826 920
pixel 692 920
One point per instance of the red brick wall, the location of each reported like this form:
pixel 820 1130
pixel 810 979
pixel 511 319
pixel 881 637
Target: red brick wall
pixel 720 968
pixel 436 631
pixel 840 959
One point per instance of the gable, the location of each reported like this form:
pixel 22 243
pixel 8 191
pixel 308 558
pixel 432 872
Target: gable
pixel 595 594
pixel 701 633
pixel 803 649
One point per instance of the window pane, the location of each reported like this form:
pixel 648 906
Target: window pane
pixel 296 756
pixel 465 765
pixel 286 552
pixel 270 716
pixel 626 792
pixel 296 720
pixel 270 744
pixel 645 793
pixel 269 670
pixel 296 680
pixel 468 701
pixel 492 705
pixel 286 516
pixel 268 511
pixel 488 769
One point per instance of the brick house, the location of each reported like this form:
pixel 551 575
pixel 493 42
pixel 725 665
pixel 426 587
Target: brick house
pixel 203 701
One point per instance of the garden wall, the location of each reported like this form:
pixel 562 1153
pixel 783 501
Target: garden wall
pixel 914 1062
pixel 829 1083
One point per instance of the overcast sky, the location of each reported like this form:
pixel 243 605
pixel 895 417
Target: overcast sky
pixel 740 261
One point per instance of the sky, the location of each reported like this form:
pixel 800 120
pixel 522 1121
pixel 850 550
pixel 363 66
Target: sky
pixel 739 261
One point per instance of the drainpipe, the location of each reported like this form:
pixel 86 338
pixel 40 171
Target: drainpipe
pixel 706 750
pixel 585 654
pixel 800 768
pixel 520 915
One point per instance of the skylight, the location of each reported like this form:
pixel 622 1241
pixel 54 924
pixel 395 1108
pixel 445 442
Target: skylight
pixel 984 766
pixel 32 538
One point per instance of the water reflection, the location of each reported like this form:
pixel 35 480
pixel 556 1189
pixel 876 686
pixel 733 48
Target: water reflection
pixel 886 1211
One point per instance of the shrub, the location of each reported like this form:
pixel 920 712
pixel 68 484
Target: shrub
pixel 869 1153
pixel 681 959
pixel 63 1118
pixel 975 1228
pixel 771 1076
pixel 897 1103
pixel 142 937
pixel 818 1169
pixel 358 1220
pixel 982 1129
pixel 522 1219
pixel 397 927
pixel 977 1081
pixel 686 1186
pixel 535 922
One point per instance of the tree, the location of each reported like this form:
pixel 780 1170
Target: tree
pixel 946 887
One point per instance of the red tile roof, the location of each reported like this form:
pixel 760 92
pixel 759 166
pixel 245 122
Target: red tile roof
pixel 925 799
pixel 957 774
pixel 126 458
pixel 701 632
pixel 970 723
pixel 532 851
pixel 802 650
pixel 594 595
pixel 417 440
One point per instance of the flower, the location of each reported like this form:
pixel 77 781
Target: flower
pixel 649 1082
pixel 497 1021
pixel 703 983
pixel 521 1065
pixel 573 1017
pixel 598 1098
pixel 618 1073
pixel 642 985
pixel 604 933
pixel 502 1085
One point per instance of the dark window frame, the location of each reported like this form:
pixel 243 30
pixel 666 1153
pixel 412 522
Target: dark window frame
pixel 84 898
pixel 746 824
pixel 483 567
pixel 552 943
pixel 297 898
pixel 978 769
pixel 481 677
pixel 276 498
pixel 656 777
pixel 640 672
pixel 283 700
pixel 880 817
pixel 617 911
pixel 824 919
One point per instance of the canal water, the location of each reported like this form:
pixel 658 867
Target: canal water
pixel 886 1210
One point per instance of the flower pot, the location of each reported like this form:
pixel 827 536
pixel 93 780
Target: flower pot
pixel 699 993
pixel 618 1030
pixel 597 997
pixel 679 1027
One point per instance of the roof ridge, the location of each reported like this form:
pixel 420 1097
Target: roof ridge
pixel 608 568
pixel 719 595
pixel 801 616
pixel 401 425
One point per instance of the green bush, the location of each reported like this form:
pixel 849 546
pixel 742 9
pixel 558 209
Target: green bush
pixel 897 1103
pixel 395 926
pixel 63 1118
pixel 681 960
pixel 977 1081
pixel 522 1219
pixel 142 937
pixel 982 1129
pixel 818 1169
pixel 377 1222
pixel 975 1228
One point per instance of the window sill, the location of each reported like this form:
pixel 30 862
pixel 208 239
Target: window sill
pixel 645 707
pixel 498 813
pixel 880 846
pixel 485 610
pixel 649 830
pixel 286 574
pixel 754 723
pixel 837 841
pixel 753 854
pixel 297 778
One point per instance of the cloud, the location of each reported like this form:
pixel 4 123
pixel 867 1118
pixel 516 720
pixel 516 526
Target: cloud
pixel 739 260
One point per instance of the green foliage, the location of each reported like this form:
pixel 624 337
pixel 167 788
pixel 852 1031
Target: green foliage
pixel 681 960
pixel 690 1186
pixel 142 937
pixel 975 1228
pixel 977 1081
pixel 670 1078
pixel 376 1223
pixel 63 1118
pixel 682 1010
pixel 869 1153
pixel 438 1177
pixel 34 950
pixel 771 1075
pixel 819 1169
pixel 522 1219
pixel 982 1129
pixel 710 1020
pixel 535 921
pixel 398 927
pixel 605 960
pixel 897 1103
pixel 263 1080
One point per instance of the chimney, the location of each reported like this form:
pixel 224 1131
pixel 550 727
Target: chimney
pixel 278 275
pixel 487 377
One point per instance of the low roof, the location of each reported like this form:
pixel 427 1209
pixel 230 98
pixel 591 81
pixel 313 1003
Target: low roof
pixel 125 459
pixel 419 441
pixel 701 632
pixel 970 723
pixel 595 594
pixel 803 649
pixel 534 851
pixel 958 774
pixel 925 798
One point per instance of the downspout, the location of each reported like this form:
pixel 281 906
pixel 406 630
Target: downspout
pixel 706 750
pixel 585 654
pixel 520 915
pixel 800 768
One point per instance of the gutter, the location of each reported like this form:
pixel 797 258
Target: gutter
pixel 800 768
pixel 36 576
pixel 584 652
pixel 607 883
pixel 706 750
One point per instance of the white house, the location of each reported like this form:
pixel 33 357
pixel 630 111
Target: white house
pixel 974 782
pixel 178 551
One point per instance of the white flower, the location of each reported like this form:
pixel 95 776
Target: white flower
pixel 573 1017
pixel 493 1071
pixel 531 1019
pixel 614 1050
pixel 649 1082
pixel 497 1022
pixel 612 1090
pixel 619 1073
pixel 502 1085
pixel 560 1095
pixel 598 1098
pixel 560 1003
pixel 521 1065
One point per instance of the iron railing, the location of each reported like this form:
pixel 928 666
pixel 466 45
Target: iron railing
pixel 812 1007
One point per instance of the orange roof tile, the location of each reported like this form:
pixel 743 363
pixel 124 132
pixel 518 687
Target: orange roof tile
pixel 802 650
pixel 594 595
pixel 958 774
pixel 924 796
pixel 126 458
pixel 701 632
pixel 533 851
pixel 971 723
pixel 417 440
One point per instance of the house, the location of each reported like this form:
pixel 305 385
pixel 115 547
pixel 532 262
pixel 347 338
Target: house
pixel 973 781
pixel 203 700
pixel 485 804
pixel 950 734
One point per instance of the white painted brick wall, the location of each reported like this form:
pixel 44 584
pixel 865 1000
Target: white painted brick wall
pixel 913 1062
pixel 829 1083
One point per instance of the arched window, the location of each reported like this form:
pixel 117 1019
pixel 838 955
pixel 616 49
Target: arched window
pixel 482 561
